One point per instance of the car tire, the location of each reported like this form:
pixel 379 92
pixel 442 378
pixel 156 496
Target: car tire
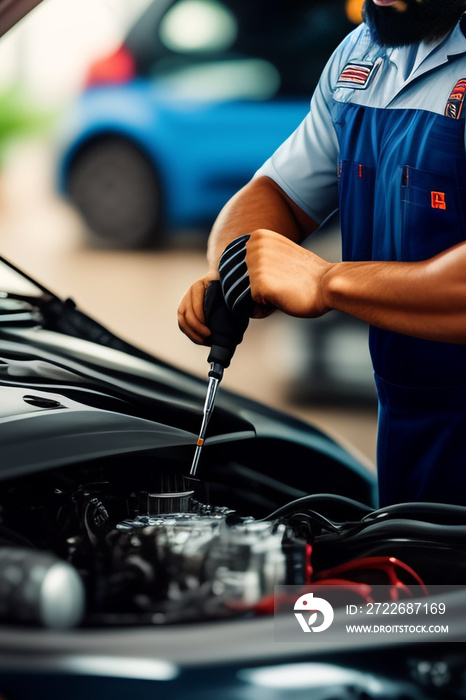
pixel 116 190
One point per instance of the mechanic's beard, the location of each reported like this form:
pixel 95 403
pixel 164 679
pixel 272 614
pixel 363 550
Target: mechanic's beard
pixel 427 20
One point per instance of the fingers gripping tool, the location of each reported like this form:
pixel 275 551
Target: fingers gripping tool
pixel 228 305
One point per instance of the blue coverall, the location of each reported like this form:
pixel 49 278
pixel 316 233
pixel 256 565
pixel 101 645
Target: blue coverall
pixel 384 141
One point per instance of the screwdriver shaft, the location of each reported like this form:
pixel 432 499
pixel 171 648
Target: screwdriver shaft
pixel 208 408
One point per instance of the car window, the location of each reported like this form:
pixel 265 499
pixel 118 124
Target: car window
pixel 295 37
pixel 228 79
pixel 298 37
pixel 192 26
pixel 143 39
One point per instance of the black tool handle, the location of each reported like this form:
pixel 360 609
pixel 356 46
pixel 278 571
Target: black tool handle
pixel 234 277
pixel 227 327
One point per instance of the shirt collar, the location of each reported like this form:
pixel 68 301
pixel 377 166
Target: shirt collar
pixel 431 55
pixel 456 42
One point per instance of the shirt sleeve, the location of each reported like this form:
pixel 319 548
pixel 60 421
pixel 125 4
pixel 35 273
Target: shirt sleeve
pixel 305 166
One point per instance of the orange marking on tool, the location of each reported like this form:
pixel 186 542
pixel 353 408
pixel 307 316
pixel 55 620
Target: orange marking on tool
pixel 200 442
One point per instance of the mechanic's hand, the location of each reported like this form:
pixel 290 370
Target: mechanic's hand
pixel 191 312
pixel 286 276
pixel 283 276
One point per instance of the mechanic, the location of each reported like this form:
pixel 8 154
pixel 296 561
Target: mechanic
pixel 384 142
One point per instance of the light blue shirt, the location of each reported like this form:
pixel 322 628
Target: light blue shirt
pixel 419 77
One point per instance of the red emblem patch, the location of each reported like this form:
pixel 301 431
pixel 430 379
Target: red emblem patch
pixel 358 75
pixel 455 102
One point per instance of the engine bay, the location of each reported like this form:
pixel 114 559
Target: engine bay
pixel 101 526
pixel 150 552
pixel 125 541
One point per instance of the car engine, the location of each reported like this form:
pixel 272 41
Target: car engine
pixel 107 544
pixel 180 559
pixel 141 557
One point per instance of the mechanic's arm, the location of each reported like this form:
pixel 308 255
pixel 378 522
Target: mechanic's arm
pixel 261 203
pixel 424 299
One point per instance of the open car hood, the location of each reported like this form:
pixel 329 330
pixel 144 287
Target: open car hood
pixel 11 11
pixel 77 391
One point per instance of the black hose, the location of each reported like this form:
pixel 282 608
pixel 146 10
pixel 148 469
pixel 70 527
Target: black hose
pixel 420 510
pixel 316 518
pixel 314 499
pixel 403 528
pixel 373 524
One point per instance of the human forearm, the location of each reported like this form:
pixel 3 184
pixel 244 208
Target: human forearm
pixel 260 204
pixel 425 299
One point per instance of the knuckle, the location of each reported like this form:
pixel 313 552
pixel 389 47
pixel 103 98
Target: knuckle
pixel 258 235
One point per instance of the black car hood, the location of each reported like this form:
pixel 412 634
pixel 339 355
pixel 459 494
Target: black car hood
pixel 12 11
pixel 72 390
pixel 61 431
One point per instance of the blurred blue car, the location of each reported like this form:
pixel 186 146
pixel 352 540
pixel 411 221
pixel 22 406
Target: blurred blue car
pixel 178 118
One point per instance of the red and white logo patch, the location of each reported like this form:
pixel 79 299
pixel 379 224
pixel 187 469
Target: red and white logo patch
pixel 455 102
pixel 358 75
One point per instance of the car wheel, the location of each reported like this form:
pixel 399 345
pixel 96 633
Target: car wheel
pixel 117 191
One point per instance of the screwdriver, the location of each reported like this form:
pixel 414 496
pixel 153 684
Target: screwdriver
pixel 228 306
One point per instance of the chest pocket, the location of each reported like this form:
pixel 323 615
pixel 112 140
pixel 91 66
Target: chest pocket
pixel 432 213
pixel 356 194
pixel 402 182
